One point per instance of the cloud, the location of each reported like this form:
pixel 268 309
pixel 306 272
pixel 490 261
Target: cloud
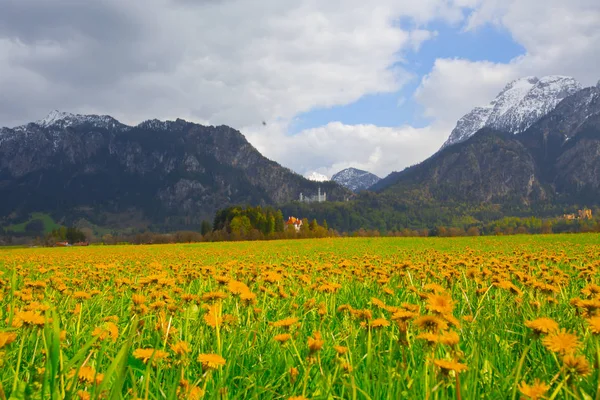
pixel 241 62
pixel 235 62
pixel 560 38
pixel 329 149
pixel 455 86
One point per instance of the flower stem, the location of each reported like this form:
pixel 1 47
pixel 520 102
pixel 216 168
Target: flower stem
pixel 598 368
pixel 519 369
pixel 20 356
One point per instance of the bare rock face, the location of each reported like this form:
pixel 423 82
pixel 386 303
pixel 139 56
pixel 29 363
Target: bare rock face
pixel 168 170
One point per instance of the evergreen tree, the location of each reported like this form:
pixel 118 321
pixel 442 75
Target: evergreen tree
pixel 205 227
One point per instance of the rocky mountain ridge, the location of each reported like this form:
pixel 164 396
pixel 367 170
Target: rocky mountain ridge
pixel 355 179
pixel 556 159
pixel 174 173
pixel 518 106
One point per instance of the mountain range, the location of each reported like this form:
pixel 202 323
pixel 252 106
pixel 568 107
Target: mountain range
pixel 538 141
pixel 170 174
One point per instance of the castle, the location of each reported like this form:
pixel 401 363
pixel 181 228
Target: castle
pixel 318 198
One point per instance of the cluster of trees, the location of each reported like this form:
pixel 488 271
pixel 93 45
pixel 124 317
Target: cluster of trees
pixel 242 220
pixel 258 223
pixel 503 226
pixel 69 234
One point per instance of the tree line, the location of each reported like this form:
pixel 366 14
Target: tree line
pixel 267 223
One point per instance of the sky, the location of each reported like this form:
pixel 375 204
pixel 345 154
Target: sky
pixel 374 85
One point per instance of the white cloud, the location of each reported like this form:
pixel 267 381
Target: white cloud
pixel 455 86
pixel 235 62
pixel 560 38
pixel 239 62
pixel 329 149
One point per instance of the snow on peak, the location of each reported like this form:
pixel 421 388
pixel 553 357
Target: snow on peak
pixel 62 119
pixel 520 104
pixel 315 176
pixel 53 117
pixel 154 124
pixel 355 179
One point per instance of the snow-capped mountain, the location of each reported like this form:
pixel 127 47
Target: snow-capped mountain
pixel 554 159
pixel 62 120
pixel 355 179
pixel 518 106
pixel 315 176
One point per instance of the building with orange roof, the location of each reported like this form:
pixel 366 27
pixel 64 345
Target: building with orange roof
pixel 295 222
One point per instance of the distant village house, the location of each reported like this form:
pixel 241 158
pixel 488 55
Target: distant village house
pixel 581 214
pixel 295 222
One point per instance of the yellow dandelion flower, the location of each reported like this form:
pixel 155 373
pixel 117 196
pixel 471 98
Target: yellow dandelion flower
pixel 83 395
pixel 561 342
pixel 431 338
pixel 577 364
pixel 440 303
pixel 294 374
pixel 7 338
pixel 535 391
pixel 403 315
pixel 542 325
pixel 211 361
pixel 237 287
pixel 449 338
pixel 431 323
pixel 315 343
pixel 189 392
pixel 594 324
pixel 88 374
pixel 213 296
pixel 82 295
pixel 28 318
pixel 248 297
pixel 138 299
pixel 147 354
pixel 286 322
pixel 451 320
pixel 379 323
pixel 213 316
pixel 109 330
pixel 448 365
pixel 181 348
pixel 346 366
pixel 340 349
pixel 284 337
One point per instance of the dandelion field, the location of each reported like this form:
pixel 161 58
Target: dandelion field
pixel 361 318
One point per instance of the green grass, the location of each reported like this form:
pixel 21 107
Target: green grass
pixel 49 223
pixel 390 362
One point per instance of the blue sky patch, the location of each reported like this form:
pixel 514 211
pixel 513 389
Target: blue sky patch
pixel 487 43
